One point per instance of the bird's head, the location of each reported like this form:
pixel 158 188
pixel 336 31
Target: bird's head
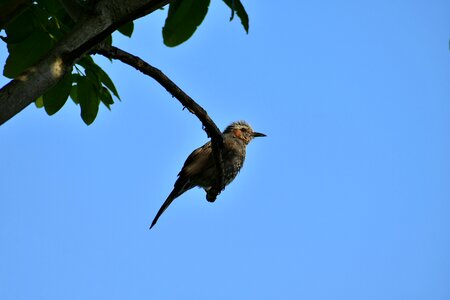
pixel 243 131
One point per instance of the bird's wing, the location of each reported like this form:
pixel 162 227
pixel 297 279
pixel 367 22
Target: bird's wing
pixel 200 159
pixel 196 162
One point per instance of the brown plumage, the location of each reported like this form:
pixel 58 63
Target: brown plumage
pixel 199 168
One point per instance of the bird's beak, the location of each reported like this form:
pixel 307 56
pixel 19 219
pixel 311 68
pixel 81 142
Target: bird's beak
pixel 258 134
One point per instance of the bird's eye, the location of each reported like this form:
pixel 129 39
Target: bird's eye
pixel 244 129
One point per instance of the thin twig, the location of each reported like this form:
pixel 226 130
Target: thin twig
pixel 208 124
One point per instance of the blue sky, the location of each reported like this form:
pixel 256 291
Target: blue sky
pixel 347 198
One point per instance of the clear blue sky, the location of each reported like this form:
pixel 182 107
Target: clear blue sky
pixel 347 198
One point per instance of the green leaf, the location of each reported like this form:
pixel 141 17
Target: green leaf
pixel 56 29
pixel 106 98
pixel 107 82
pixel 88 99
pixel 127 29
pixel 182 20
pixel 57 96
pixel 236 6
pixel 93 78
pixel 74 94
pixel 88 64
pixel 26 53
pixel 39 102
pixel 74 89
pixel 20 28
pixel 51 6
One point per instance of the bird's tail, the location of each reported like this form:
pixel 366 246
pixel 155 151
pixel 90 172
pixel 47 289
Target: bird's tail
pixel 177 191
pixel 165 205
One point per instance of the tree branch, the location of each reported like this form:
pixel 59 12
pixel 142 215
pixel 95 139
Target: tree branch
pixel 91 29
pixel 210 127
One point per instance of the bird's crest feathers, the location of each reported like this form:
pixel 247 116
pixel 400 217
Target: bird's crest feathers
pixel 237 125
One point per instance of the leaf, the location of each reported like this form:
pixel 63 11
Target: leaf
pixel 51 6
pixel 57 96
pixel 93 78
pixel 74 90
pixel 20 28
pixel 88 99
pixel 39 102
pixel 182 20
pixel 74 94
pixel 88 64
pixel 236 6
pixel 26 53
pixel 106 98
pixel 127 29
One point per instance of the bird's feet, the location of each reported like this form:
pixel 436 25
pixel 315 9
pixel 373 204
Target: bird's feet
pixel 211 195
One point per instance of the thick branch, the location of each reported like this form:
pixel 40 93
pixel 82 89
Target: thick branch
pixel 210 127
pixel 105 18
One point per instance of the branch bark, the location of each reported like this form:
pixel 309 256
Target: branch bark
pixel 91 29
pixel 210 127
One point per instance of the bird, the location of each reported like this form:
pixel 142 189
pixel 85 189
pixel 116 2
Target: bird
pixel 199 168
